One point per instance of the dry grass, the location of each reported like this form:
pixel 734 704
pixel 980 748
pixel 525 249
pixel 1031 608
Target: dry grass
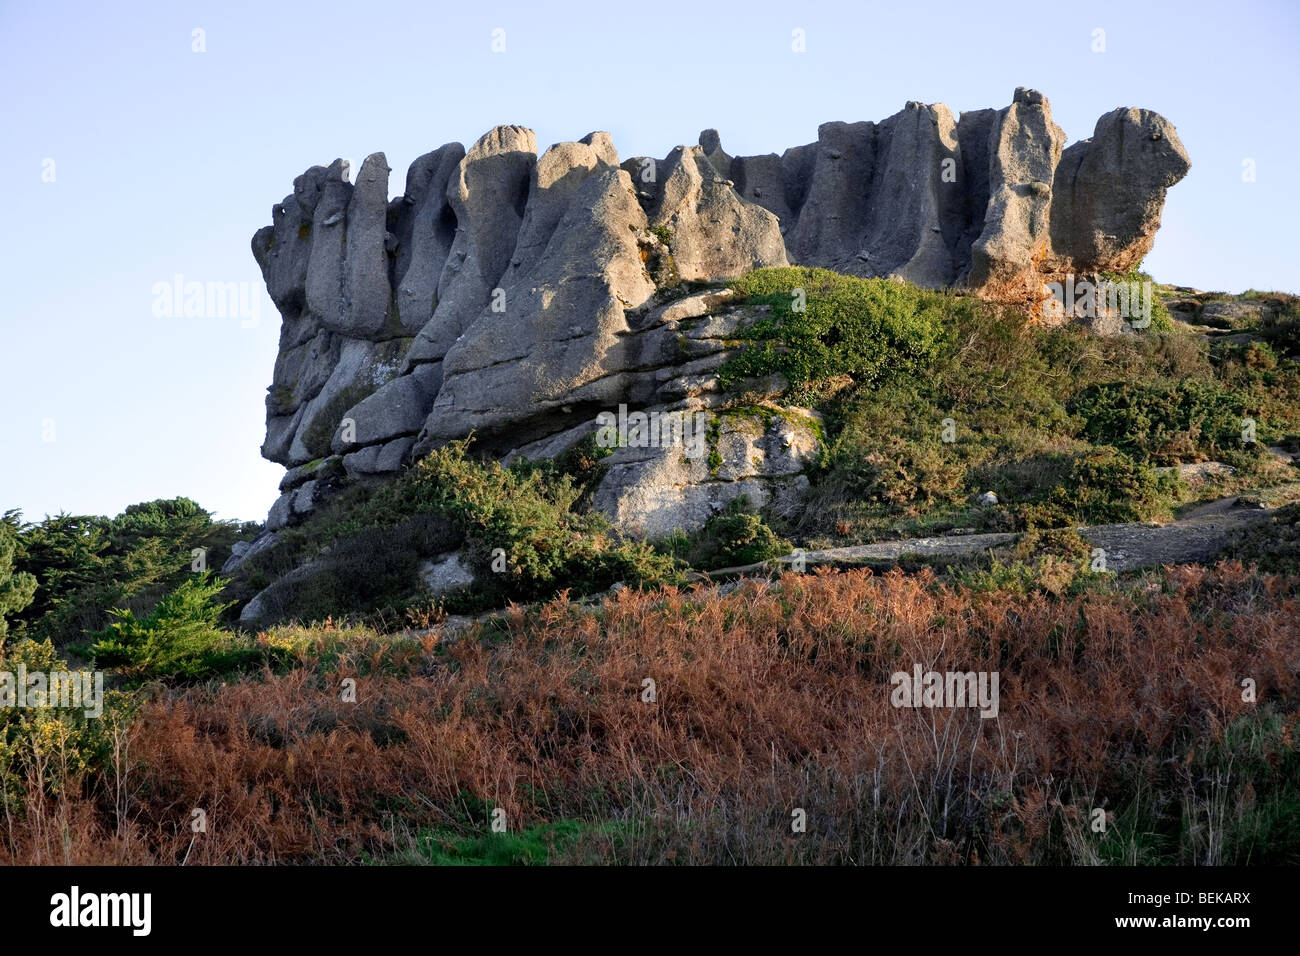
pixel 770 698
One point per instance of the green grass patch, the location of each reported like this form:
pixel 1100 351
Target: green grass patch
pixel 534 846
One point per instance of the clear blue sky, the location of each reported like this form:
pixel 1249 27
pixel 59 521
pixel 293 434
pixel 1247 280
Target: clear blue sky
pixel 166 161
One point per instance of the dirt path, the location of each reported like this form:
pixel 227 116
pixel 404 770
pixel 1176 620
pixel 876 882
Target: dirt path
pixel 1198 536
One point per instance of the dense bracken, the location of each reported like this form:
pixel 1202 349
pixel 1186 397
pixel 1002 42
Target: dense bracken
pixel 768 699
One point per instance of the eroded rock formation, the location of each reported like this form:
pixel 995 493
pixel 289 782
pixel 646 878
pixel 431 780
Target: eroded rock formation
pixel 517 296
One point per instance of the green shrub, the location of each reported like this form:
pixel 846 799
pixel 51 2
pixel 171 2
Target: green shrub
pixel 906 475
pixel 1059 542
pixel 1164 423
pixel 735 536
pixel 1105 487
pixel 1161 321
pixel 1281 330
pixel 180 638
pixel 1269 385
pixel 867 329
pixel 1055 561
pixel 528 516
pixel 1272 545
pixel 1050 574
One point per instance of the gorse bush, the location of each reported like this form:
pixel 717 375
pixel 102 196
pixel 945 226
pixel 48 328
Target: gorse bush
pixel 1281 330
pixel 1271 545
pixel 522 529
pixel 1269 385
pixel 526 515
pixel 911 455
pixel 905 475
pixel 890 367
pixel 1051 561
pixel 1161 321
pixel 1105 487
pixel 1163 423
pixel 824 324
pixel 47 752
pixel 734 537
